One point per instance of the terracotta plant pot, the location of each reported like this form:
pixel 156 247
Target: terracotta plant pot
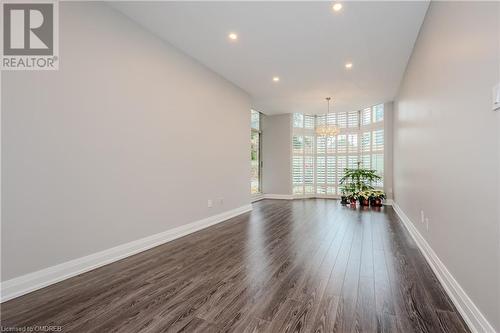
pixel 376 202
pixel 364 202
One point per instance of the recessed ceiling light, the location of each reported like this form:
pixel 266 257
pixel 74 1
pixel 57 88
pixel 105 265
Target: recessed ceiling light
pixel 348 65
pixel 276 78
pixel 233 36
pixel 336 7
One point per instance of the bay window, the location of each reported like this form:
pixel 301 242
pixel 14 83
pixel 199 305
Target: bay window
pixel 318 162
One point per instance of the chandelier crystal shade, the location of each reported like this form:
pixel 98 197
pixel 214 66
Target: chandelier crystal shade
pixel 326 129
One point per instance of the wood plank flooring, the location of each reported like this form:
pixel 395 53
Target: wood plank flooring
pixel 287 266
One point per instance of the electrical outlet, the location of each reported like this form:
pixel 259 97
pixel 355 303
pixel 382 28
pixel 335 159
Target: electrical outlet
pixel 422 216
pixel 427 223
pixel 209 203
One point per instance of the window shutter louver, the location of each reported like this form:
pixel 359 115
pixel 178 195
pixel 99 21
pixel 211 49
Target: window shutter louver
pixel 342 120
pixel 308 122
pixel 353 119
pixel 367 117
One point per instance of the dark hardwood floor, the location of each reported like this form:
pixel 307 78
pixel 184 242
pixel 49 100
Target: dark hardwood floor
pixel 287 266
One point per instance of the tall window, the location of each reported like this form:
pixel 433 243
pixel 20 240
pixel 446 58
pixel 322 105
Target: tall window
pixel 318 163
pixel 255 158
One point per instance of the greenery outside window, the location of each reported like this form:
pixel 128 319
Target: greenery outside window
pixel 255 152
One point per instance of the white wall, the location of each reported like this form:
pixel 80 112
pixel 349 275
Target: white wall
pixel 446 145
pixel 276 154
pixel 129 138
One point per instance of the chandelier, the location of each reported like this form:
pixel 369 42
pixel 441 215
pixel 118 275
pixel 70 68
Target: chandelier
pixel 325 129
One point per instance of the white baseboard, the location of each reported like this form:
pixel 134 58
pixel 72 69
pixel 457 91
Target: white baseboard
pixel 469 311
pixel 33 281
pixel 257 197
pixel 279 196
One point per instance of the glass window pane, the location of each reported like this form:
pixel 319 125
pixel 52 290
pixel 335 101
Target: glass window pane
pixel 255 119
pixel 255 162
pixel 378 113
pixel 298 120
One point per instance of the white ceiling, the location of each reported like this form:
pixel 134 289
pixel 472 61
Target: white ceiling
pixel 306 44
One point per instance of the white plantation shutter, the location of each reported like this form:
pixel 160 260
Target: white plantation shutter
pixel 319 162
pixel 378 140
pixel 331 119
pixel 309 145
pixel 331 167
pixel 321 174
pixel 366 161
pixel 309 174
pixel 366 116
pixel 352 143
pixel 342 143
pixel 366 142
pixel 298 161
pixel 378 164
pixel 330 145
pixel 298 174
pixel 308 122
pixel 304 155
pixel 353 119
pixel 341 165
pixel 342 120
pixel 320 145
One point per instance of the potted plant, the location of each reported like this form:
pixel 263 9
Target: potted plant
pixel 376 198
pixel 364 198
pixel 353 198
pixel 344 200
pixel 358 186
pixel 359 179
